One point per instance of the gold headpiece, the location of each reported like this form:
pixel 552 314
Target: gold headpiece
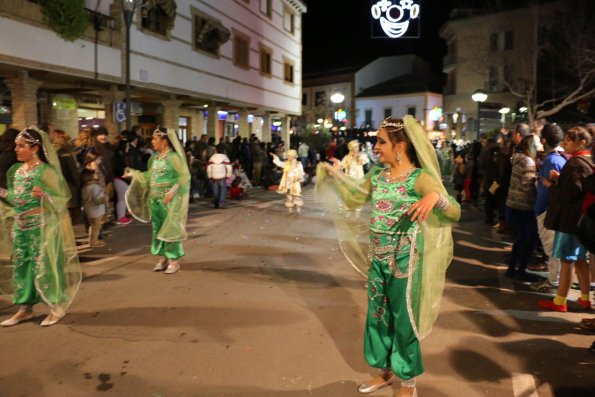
pixel 159 133
pixel 24 135
pixel 386 123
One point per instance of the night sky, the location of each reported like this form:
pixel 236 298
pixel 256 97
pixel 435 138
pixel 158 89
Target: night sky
pixel 336 34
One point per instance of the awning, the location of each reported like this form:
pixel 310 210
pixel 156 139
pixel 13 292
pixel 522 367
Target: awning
pixel 169 7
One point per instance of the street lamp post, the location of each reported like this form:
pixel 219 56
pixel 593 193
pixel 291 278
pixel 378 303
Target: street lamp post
pixel 337 98
pixel 478 97
pixel 504 111
pixel 128 8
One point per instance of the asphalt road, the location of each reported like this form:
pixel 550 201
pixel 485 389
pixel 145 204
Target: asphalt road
pixel 266 305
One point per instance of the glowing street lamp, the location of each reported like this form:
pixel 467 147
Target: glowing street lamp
pixel 478 97
pixel 504 111
pixel 337 98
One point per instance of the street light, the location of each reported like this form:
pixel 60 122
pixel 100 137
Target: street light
pixel 128 8
pixel 504 111
pixel 479 96
pixel 337 98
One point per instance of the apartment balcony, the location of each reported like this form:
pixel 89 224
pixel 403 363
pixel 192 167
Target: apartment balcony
pixel 449 62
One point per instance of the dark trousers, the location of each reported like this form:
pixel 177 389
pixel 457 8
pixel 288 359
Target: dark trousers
pixel 489 206
pixel 525 224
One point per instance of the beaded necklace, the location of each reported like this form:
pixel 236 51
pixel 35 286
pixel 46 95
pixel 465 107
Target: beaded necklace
pixel 398 178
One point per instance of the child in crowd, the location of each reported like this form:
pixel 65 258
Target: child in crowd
pixel 458 177
pixel 237 191
pixel 94 203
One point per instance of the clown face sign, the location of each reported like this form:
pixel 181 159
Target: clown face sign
pixel 395 19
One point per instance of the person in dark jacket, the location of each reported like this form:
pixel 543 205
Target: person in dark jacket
pixel 488 163
pixel 70 170
pixel 8 157
pixel 106 150
pixel 567 192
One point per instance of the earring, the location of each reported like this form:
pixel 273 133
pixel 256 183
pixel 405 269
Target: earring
pixel 398 158
pixel 34 155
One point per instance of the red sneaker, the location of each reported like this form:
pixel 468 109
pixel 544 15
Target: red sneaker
pixel 550 305
pixel 123 221
pixel 584 304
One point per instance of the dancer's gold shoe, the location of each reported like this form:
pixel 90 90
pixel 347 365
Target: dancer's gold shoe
pixel 21 315
pixel 407 392
pixel 52 319
pixel 377 383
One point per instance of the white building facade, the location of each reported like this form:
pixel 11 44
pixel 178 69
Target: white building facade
pixel 388 86
pixel 221 68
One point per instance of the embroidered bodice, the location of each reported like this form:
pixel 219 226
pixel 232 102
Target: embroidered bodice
pixel 20 195
pixel 390 203
pixel 163 174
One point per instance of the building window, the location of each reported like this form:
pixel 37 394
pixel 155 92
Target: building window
pixel 388 112
pixel 266 61
pixel 183 123
pixel 288 20
pixel 266 7
pixel 508 40
pixel 304 99
pixel 494 42
pixel 451 84
pixel 368 117
pixel 208 34
pixel 320 98
pixel 241 50
pixel 508 73
pixel 155 20
pixel 411 110
pixel 493 79
pixel 288 74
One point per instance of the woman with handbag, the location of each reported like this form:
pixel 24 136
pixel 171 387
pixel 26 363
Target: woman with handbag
pixel 567 194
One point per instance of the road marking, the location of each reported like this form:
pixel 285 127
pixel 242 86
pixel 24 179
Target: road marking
pixel 111 258
pixel 523 385
pixel 553 317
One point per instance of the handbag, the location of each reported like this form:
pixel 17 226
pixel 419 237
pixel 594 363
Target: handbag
pixel 586 229
pixel 493 188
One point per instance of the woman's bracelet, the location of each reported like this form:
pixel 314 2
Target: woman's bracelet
pixel 443 203
pixel 174 188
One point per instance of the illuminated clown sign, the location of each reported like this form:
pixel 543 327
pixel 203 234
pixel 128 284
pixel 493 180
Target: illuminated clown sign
pixel 397 18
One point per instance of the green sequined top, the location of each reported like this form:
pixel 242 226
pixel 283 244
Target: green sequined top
pixel 163 175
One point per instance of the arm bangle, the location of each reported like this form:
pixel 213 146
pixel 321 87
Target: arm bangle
pixel 442 204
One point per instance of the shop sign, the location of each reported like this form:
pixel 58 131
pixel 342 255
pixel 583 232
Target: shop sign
pixel 63 102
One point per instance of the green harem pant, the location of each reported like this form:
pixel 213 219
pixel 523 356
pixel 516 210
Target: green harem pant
pixel 389 339
pixel 25 255
pixel 169 249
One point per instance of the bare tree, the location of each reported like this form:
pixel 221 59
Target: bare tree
pixel 553 63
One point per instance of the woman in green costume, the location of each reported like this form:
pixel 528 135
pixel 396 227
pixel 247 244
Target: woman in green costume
pixel 160 195
pixel 410 247
pixel 38 257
